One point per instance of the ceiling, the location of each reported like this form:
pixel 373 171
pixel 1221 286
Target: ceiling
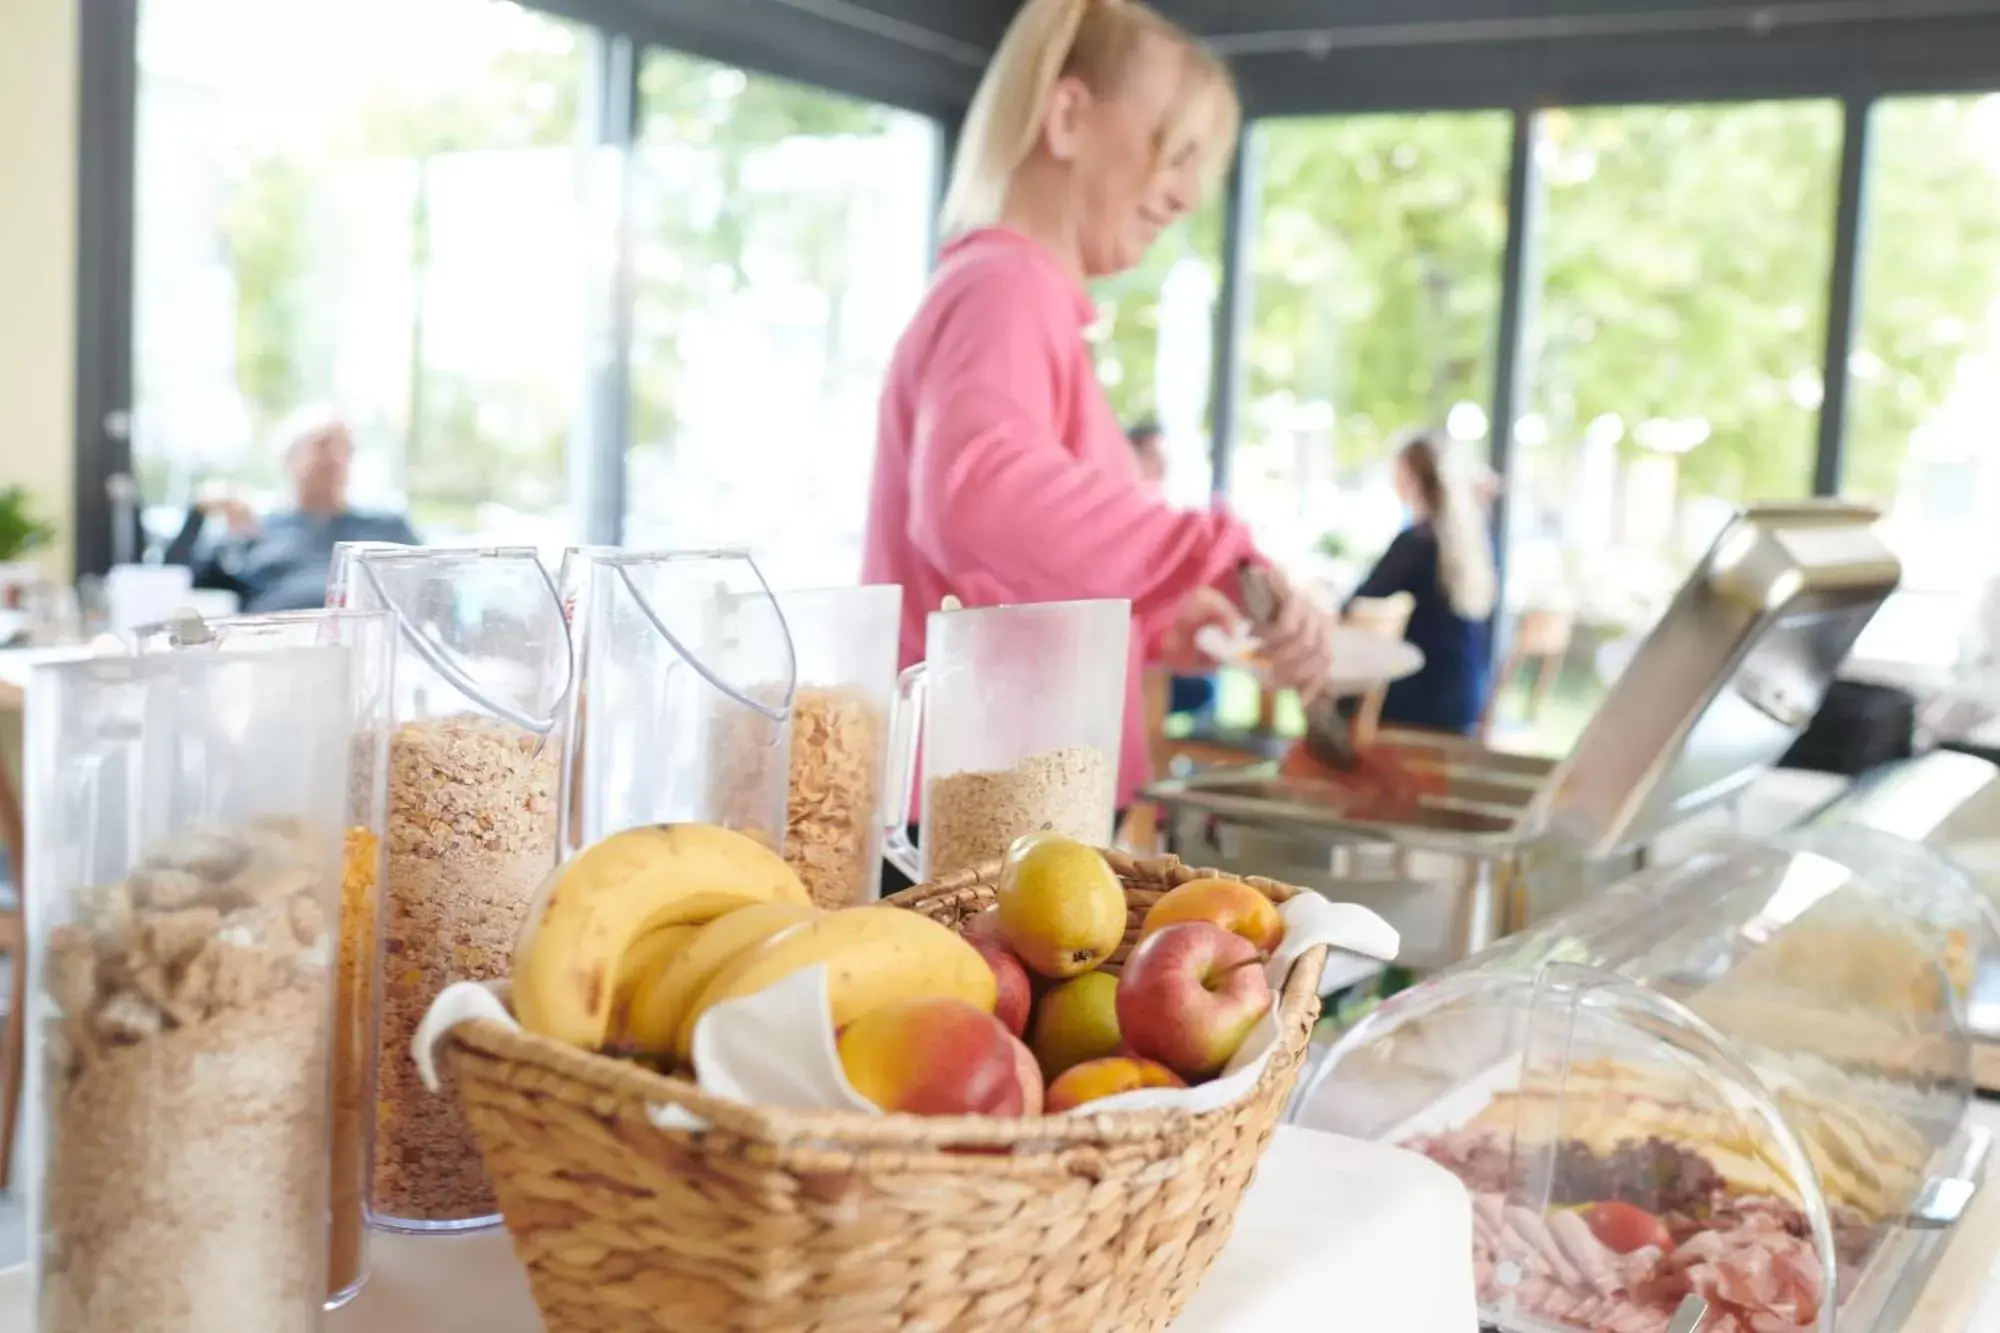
pixel 1298 56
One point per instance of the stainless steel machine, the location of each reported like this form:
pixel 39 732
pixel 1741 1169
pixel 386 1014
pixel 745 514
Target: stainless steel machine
pixel 1717 692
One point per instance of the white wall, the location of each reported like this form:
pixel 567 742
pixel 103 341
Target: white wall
pixel 38 256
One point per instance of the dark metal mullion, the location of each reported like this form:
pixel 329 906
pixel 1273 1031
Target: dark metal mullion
pixel 607 427
pixel 1520 280
pixel 944 160
pixel 107 158
pixel 1843 300
pixel 1233 306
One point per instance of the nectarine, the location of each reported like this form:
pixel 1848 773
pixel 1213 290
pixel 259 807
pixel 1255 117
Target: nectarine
pixel 1237 907
pixel 1094 1080
pixel 932 1056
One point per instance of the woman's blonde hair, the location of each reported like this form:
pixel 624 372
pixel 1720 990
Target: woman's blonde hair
pixel 1458 520
pixel 1095 41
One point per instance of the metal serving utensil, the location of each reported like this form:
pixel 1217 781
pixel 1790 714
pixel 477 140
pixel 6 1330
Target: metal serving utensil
pixel 1329 740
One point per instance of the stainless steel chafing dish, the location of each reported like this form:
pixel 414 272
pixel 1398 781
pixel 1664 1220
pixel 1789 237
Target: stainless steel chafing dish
pixel 1717 692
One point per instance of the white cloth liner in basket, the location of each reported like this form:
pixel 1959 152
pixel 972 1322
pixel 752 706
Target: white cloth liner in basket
pixel 776 1047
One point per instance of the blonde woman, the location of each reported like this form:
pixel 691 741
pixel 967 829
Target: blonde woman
pixel 1002 475
pixel 1443 559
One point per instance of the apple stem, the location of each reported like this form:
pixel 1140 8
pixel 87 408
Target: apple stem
pixel 1256 960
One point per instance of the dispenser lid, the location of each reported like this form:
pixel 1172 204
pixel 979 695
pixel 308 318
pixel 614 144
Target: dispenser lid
pixel 1731 675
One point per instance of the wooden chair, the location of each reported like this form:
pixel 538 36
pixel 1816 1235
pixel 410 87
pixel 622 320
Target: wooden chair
pixel 1389 617
pixel 14 945
pixel 1541 636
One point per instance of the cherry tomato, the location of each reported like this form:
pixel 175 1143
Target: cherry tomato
pixel 1623 1228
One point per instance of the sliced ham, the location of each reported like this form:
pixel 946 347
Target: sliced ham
pixel 1532 1228
pixel 1591 1256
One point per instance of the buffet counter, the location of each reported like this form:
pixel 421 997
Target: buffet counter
pixel 472 1284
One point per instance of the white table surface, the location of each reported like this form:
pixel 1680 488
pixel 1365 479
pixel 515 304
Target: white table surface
pixel 471 1284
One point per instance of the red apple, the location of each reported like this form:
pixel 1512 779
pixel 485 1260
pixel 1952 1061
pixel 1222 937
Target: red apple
pixel 1029 1074
pixel 936 1056
pixel 1189 995
pixel 1016 995
pixel 983 926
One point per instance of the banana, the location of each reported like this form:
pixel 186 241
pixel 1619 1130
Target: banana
pixel 648 957
pixel 619 890
pixel 661 1001
pixel 873 955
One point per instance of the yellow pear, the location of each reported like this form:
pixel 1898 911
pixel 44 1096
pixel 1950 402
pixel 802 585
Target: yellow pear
pixel 1062 909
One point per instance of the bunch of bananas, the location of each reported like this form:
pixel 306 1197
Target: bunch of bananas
pixel 644 932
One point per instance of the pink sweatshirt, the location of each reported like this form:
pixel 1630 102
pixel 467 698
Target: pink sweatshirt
pixel 1002 475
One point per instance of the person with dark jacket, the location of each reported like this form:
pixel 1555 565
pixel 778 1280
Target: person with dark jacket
pixel 281 562
pixel 1444 560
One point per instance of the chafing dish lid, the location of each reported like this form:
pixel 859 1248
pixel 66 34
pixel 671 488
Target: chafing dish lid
pixel 1730 676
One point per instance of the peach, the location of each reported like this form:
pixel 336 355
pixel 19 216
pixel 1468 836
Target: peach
pixel 1077 1021
pixel 1189 995
pixel 1096 1079
pixel 1015 992
pixel 1235 906
pixel 934 1056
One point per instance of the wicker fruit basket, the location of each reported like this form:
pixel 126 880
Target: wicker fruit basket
pixel 842 1222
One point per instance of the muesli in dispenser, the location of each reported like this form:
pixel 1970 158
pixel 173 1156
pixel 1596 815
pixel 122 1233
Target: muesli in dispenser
pixel 369 637
pixel 482 669
pixel 845 640
pixel 185 832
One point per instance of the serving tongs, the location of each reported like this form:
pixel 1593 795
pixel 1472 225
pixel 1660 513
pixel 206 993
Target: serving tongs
pixel 1329 741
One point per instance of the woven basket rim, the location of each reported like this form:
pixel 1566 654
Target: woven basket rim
pixel 623 1079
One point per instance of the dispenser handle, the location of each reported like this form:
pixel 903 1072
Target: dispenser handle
pixel 905 731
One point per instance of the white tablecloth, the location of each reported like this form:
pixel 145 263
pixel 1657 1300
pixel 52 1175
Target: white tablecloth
pixel 1334 1234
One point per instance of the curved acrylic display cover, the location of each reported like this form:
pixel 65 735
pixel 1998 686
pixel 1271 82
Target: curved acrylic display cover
pixel 682 710
pixel 1733 1078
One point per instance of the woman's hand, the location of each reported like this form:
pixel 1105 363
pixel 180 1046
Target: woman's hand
pixel 1298 647
pixel 1178 651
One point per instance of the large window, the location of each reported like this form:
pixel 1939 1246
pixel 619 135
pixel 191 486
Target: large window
pixel 1675 356
pixel 783 240
pixel 1375 293
pixel 1155 346
pixel 372 204
pixel 1924 379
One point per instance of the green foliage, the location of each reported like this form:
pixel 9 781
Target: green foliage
pixel 1932 267
pixel 267 226
pixel 22 531
pixel 1128 311
pixel 1684 256
pixel 700 210
pixel 1377 277
pixel 1683 263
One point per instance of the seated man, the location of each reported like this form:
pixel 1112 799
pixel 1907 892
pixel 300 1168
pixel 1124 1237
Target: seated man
pixel 281 563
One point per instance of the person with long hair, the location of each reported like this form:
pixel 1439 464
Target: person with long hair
pixel 1444 560
pixel 1002 474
